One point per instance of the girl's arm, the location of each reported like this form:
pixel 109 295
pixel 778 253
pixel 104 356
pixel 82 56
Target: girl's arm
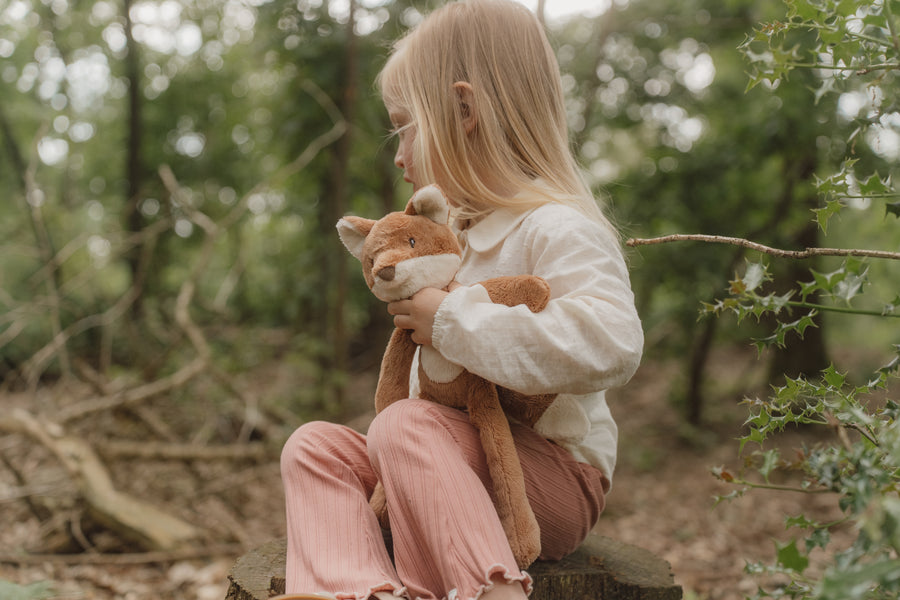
pixel 588 338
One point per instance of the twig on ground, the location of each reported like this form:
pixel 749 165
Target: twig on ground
pixel 135 558
pixel 172 451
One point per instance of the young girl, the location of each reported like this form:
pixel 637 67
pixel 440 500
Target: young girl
pixel 475 96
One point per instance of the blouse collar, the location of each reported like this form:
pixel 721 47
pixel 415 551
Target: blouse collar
pixel 493 228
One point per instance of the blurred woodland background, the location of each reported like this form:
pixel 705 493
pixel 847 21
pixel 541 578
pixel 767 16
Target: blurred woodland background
pixel 174 300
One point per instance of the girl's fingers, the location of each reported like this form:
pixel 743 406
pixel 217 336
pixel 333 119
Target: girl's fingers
pixel 400 307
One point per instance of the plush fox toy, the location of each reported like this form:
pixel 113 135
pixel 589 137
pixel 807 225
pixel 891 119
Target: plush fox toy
pixel 402 253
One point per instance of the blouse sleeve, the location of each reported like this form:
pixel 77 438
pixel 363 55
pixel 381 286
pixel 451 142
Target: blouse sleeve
pixel 589 336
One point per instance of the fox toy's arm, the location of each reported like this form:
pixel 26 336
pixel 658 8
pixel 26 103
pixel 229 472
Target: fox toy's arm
pixel 530 290
pixel 393 380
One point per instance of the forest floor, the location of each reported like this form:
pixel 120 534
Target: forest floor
pixel 662 500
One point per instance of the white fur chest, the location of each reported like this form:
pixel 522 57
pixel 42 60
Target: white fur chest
pixel 436 367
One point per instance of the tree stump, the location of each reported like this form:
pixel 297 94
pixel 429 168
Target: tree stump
pixel 601 569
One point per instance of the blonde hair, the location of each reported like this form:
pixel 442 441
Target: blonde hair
pixel 520 138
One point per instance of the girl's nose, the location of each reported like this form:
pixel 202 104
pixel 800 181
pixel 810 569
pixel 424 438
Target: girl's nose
pixel 398 160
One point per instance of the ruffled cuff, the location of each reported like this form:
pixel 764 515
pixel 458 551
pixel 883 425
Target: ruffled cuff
pixel 508 577
pixel 387 586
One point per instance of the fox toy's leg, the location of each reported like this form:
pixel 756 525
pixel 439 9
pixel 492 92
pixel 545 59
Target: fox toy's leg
pixel 393 385
pixel 393 380
pixel 378 502
pixel 513 508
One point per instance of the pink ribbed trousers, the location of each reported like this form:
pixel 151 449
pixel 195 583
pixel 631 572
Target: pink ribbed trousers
pixel 448 540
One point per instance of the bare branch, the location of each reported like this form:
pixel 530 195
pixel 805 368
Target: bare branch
pixel 34 199
pixel 172 451
pixel 35 366
pixel 134 395
pixel 799 254
pixel 135 558
pixel 39 361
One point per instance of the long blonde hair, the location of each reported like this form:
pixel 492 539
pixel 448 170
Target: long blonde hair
pixel 521 136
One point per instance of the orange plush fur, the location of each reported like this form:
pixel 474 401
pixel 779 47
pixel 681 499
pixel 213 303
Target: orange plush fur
pixel 402 253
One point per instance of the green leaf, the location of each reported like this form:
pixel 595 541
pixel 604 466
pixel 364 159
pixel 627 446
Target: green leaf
pixel 782 329
pixel 874 186
pixel 800 521
pixel 802 9
pixel 826 86
pixel 789 556
pixel 894 364
pixel 817 538
pixel 855 265
pixel 807 288
pixel 854 580
pixel 729 496
pixel 849 287
pixel 831 36
pixel 833 378
pixel 846 8
pixel 892 208
pixel 755 275
pixel 770 461
pixel 828 281
pixel 892 307
pixel 831 208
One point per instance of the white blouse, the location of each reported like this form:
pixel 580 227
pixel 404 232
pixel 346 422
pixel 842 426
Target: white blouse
pixel 586 340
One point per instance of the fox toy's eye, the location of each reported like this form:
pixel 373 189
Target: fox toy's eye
pixel 412 242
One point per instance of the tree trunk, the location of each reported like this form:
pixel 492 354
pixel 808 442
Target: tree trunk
pixel 134 174
pixel 804 356
pixel 335 359
pixel 807 356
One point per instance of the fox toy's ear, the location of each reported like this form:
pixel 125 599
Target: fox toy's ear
pixel 430 202
pixel 353 232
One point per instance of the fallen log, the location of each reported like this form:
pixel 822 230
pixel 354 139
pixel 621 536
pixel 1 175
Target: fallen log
pixel 136 520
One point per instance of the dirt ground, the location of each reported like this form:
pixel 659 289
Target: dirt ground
pixel 662 500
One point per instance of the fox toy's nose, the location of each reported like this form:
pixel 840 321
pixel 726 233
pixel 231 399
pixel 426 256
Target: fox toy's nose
pixel 386 273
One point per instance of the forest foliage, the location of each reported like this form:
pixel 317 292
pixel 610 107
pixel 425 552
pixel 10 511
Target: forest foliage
pixel 851 48
pixel 174 170
pixel 144 153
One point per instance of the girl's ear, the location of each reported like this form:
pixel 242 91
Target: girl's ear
pixel 353 232
pixel 466 98
pixel 430 202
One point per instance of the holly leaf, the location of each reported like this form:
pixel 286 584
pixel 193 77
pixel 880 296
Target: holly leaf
pixel 770 461
pixel 893 365
pixel 834 378
pixel 892 307
pixel 828 281
pixel 892 208
pixel 831 208
pixel 873 185
pixel 807 288
pixel 850 286
pixel 789 556
pixel 803 9
pixel 722 473
pixel 831 36
pixel 755 275
pixel 847 8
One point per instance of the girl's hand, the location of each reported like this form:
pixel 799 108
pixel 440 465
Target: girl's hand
pixel 417 313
